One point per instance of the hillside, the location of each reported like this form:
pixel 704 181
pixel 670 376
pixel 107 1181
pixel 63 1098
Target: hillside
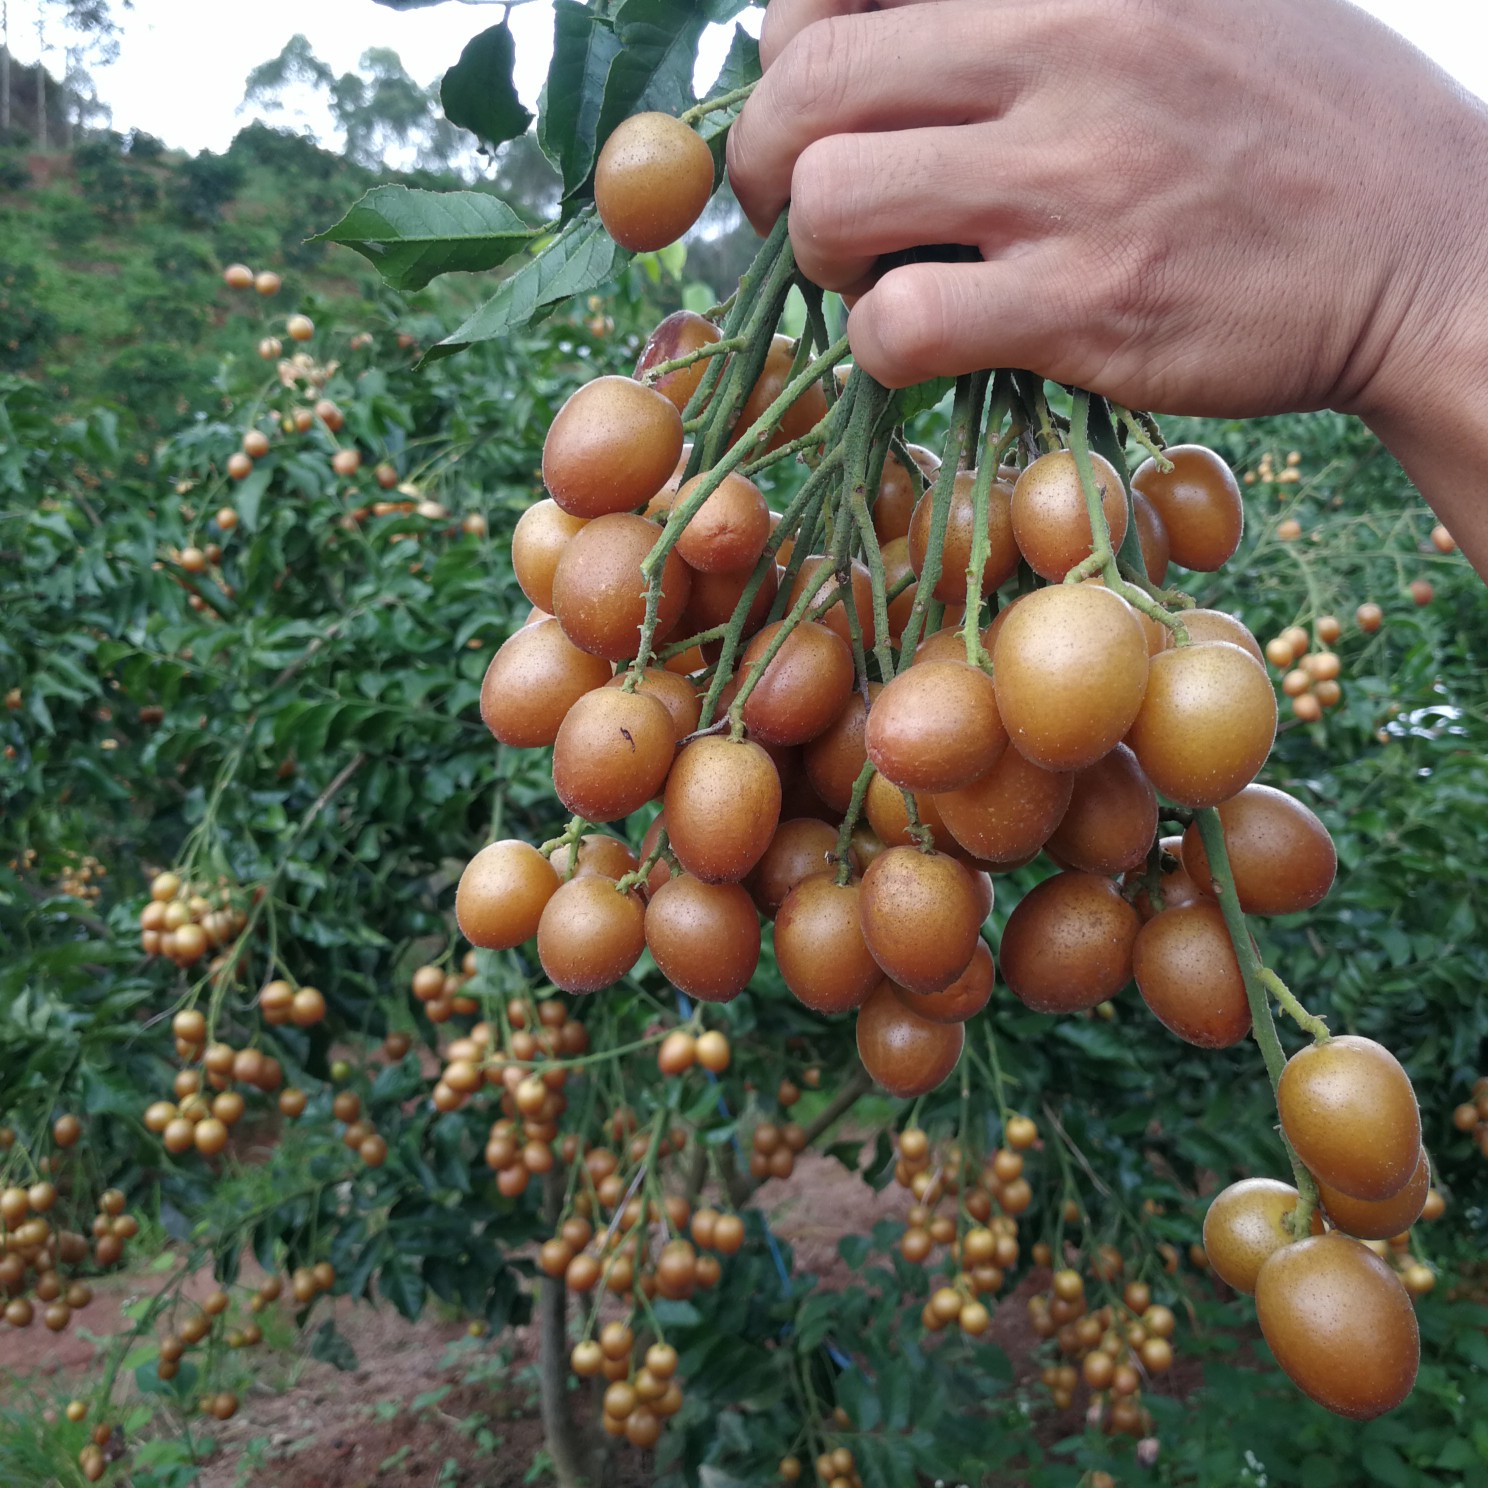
pixel 110 249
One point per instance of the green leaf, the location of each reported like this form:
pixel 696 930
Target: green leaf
pixel 653 71
pixel 638 60
pixel 478 93
pixel 404 1287
pixel 579 259
pixel 740 68
pixel 330 1347
pixel 414 236
pixel 584 46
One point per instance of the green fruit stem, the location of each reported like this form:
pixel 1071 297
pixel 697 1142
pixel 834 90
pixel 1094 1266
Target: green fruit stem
pixel 1253 974
pixel 966 411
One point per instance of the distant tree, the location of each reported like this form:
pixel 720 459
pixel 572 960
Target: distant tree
pixel 377 109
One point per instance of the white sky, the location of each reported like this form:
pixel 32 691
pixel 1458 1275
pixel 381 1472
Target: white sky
pixel 182 64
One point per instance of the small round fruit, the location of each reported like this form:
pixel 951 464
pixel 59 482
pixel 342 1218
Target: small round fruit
pixel 534 678
pixel 589 935
pixel 1187 972
pixel 267 282
pixel 238 276
pixel 599 591
pixel 611 447
pixel 1206 724
pixel 612 753
pixel 921 916
pixel 906 1054
pixel 963 999
pixel 722 807
pixel 1002 548
pixel 1152 535
pixel 802 846
pixel 1010 812
pixel 704 937
pixel 502 894
pixel 1245 1225
pixel 1281 855
pixel 682 332
pixel 729 531
pixel 1199 502
pixel 1068 944
pixel 936 727
pixel 1216 625
pixel 1369 617
pixel 652 180
pixel 1070 667
pixel 819 945
pixel 1422 591
pixel 299 327
pixel 1051 522
pixel 1379 1220
pixel 541 534
pixel 1111 819
pixel 1340 1324
pixel 803 687
pixel 1348 1109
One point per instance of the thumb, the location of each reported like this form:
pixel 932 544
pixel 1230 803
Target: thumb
pixel 928 320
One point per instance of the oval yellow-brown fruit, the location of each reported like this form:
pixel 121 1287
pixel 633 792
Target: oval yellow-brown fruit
pixel 905 1053
pixel 502 894
pixel 1340 1324
pixel 1245 1225
pixel 936 727
pixel 1206 724
pixel 1186 970
pixel 1379 1220
pixel 1068 944
pixel 1348 1109
pixel 1070 668
pixel 1280 853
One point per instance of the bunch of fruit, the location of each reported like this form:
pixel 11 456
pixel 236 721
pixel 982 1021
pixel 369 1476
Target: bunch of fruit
pixel 43 1259
pixel 209 1089
pixel 1311 677
pixel 1114 1348
pixel 79 879
pixel 909 675
pixel 637 1399
pixel 1267 473
pixel 442 992
pixel 181 922
pixel 983 1244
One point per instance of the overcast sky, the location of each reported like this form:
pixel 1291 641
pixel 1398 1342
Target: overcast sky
pixel 182 64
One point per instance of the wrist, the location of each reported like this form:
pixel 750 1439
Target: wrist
pixel 1425 396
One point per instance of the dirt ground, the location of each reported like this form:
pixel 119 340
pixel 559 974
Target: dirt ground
pixel 427 1406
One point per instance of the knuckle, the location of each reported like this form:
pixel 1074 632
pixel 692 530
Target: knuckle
pixel 814 74
pixel 909 323
pixel 821 193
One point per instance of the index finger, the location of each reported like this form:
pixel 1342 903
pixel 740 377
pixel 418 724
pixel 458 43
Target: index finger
pixel 786 19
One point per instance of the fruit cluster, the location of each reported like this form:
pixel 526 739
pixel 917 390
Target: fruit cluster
pixel 1114 1348
pixel 1311 677
pixel 181 922
pixel 911 674
pixel 638 1398
pixel 42 1259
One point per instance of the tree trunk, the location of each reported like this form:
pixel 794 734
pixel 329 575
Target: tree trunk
pixel 4 65
pixel 41 99
pixel 576 1461
pixel 68 103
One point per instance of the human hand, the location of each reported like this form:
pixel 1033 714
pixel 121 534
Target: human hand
pixel 1193 206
